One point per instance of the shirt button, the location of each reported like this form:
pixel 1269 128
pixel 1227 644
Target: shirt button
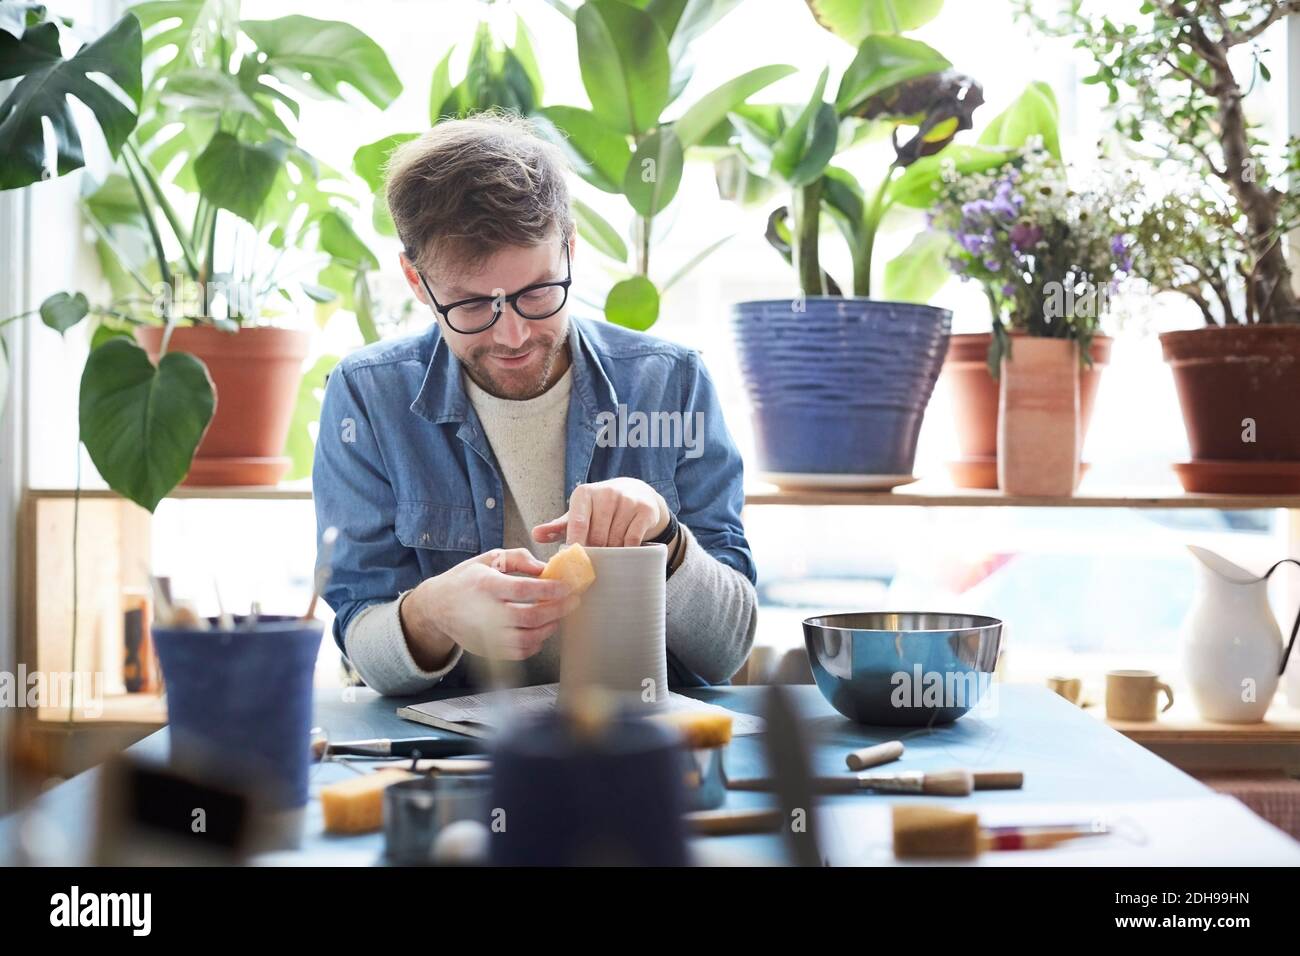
pixel 491 503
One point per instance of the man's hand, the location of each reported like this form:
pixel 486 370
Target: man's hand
pixel 485 607
pixel 621 512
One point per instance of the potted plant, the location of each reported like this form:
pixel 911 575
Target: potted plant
pixel 635 63
pixel 1178 75
pixel 214 141
pixel 839 382
pixel 1049 258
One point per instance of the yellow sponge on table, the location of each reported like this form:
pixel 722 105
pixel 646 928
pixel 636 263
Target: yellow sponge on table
pixel 356 805
pixel 700 728
pixel 930 831
pixel 572 566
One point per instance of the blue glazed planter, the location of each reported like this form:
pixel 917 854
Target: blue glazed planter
pixel 841 387
pixel 239 704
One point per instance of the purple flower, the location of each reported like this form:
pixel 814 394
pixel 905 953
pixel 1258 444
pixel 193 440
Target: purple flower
pixel 973 243
pixel 1119 248
pixel 1008 288
pixel 1005 202
pixel 1025 236
pixel 992 265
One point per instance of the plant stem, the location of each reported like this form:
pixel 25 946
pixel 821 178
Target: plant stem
pixel 806 211
pixel 159 251
pixel 168 212
pixel 862 255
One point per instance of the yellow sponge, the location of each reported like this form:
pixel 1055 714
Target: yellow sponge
pixel 930 831
pixel 572 566
pixel 701 728
pixel 356 805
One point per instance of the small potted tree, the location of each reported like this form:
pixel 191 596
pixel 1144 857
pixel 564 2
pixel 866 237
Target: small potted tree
pixel 838 380
pixel 1178 74
pixel 1049 258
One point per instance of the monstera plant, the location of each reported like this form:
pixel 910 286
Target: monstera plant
pixel 211 193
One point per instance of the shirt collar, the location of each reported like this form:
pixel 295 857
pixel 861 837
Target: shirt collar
pixel 442 397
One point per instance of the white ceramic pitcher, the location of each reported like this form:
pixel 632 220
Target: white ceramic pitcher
pixel 1233 647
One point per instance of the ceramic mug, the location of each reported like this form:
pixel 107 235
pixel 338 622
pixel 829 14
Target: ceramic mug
pixel 1068 687
pixel 1131 695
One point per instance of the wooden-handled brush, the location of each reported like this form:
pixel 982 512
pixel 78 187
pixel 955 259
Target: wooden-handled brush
pixel 927 832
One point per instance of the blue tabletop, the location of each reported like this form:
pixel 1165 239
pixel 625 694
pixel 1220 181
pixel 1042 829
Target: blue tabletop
pixel 1066 756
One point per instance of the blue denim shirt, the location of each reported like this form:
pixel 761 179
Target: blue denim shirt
pixel 403 467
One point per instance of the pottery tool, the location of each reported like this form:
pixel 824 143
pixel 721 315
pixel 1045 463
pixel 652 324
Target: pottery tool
pixel 731 822
pixel 572 565
pixel 936 832
pixel 787 755
pixel 943 783
pixel 705 736
pixel 225 620
pixel 875 755
pixel 323 569
pixel 432 747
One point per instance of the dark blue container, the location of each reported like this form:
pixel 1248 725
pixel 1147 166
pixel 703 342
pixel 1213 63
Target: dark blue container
pixel 559 799
pixel 239 704
pixel 841 387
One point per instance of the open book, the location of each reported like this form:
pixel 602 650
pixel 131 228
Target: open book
pixel 477 715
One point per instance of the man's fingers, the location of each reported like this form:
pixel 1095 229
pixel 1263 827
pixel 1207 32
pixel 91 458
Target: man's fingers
pixel 517 561
pixel 604 505
pixel 528 590
pixel 543 614
pixel 637 530
pixel 552 530
pixel 579 522
pixel 625 512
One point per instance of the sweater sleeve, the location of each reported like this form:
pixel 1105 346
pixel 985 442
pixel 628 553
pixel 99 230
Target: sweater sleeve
pixel 711 614
pixel 376 645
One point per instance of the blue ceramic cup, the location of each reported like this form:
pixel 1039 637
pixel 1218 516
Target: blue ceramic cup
pixel 559 799
pixel 239 704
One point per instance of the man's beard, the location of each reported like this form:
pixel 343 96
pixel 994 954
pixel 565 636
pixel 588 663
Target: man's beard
pixel 524 383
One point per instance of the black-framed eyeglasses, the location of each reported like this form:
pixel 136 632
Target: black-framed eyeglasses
pixel 538 301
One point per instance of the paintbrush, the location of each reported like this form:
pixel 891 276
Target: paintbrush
pixel 943 783
pixel 929 831
pixel 323 569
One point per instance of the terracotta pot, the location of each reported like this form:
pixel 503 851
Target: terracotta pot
pixel 1038 418
pixel 256 372
pixel 1239 388
pixel 975 403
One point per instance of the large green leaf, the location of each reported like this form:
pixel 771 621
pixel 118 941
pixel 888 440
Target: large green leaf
pixel 655 172
pixel 180 34
pixel 599 152
pixel 317 56
pixel 369 160
pixel 807 145
pixel 141 424
pixel 918 272
pixel 713 107
pixel 1034 114
pixel 238 176
pixel 45 93
pixel 855 20
pixel 918 187
pixel 340 240
pixel 883 62
pixel 633 303
pixel 17 15
pixel 299 445
pixel 623 58
pixel 593 227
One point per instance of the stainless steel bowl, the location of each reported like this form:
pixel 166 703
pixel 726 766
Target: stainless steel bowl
pixel 903 668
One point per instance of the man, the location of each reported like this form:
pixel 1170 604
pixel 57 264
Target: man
pixel 454 463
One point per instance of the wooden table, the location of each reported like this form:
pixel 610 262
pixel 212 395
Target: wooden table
pixel 1073 764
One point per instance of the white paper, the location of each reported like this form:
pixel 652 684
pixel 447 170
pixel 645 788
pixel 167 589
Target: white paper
pixel 485 709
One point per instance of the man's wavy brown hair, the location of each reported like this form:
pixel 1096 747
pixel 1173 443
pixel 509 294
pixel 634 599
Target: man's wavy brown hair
pixel 469 187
